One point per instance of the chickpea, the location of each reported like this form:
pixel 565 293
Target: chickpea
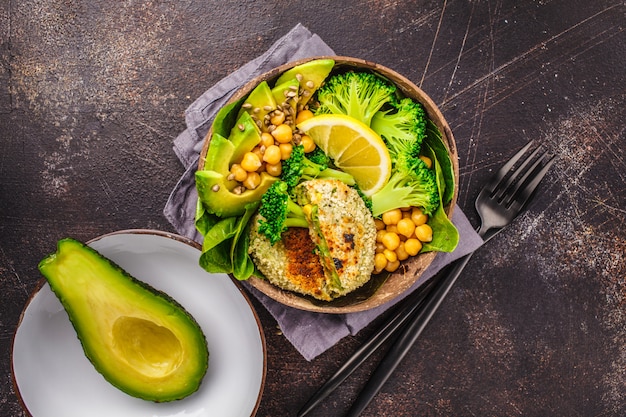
pixel 250 162
pixel 379 224
pixel 390 255
pixel 380 234
pixel 303 115
pixel 424 233
pixel 282 133
pixel 274 169
pixel 391 240
pixel 392 216
pixel 392 266
pixel 285 150
pixel 427 161
pixel 380 262
pixel 277 117
pixel 267 140
pixel 380 248
pixel 401 252
pixel 258 151
pixel 307 143
pixel 418 216
pixel 406 227
pixel 272 155
pixel 239 174
pixel 412 246
pixel 252 181
pixel 392 228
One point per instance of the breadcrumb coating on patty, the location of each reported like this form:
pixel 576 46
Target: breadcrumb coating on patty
pixel 350 233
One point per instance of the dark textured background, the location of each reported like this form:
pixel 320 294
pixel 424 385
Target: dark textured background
pixel 92 94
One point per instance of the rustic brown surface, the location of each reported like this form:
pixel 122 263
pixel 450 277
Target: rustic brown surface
pixel 92 93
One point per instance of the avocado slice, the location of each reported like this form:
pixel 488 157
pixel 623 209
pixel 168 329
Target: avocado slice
pixel 141 340
pixel 311 76
pixel 215 190
pixel 219 200
pixel 219 153
pixel 281 91
pixel 259 103
pixel 226 117
pixel 245 135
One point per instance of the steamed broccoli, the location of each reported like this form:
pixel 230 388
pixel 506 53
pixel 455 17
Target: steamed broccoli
pixel 356 94
pixel 411 185
pixel 403 127
pixel 298 166
pixel 317 156
pixel 279 212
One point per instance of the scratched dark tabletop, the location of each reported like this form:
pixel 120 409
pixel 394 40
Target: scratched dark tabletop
pixel 92 94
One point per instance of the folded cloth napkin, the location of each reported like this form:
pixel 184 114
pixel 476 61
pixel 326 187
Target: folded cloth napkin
pixel 310 333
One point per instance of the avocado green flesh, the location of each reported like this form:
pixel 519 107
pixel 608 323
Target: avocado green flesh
pixel 139 339
pixel 311 74
pixel 281 91
pixel 245 135
pixel 212 183
pixel 261 101
pixel 213 192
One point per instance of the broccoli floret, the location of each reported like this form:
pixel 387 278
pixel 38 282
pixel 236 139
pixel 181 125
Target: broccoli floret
pixel 356 94
pixel 299 167
pixel 402 127
pixel 279 212
pixel 317 156
pixel 410 185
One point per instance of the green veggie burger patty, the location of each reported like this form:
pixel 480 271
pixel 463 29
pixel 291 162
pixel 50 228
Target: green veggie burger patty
pixel 349 230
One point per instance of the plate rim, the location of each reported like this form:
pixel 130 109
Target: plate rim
pixel 42 282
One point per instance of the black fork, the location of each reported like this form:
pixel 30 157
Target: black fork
pixel 508 191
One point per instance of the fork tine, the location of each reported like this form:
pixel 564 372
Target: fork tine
pixel 514 186
pixel 497 178
pixel 520 198
pixel 511 180
pixel 504 196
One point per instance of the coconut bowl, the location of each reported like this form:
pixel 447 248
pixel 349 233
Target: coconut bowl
pixel 384 287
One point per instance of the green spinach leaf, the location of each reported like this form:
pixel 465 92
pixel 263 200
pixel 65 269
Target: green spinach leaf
pixel 445 233
pixel 243 267
pixel 434 140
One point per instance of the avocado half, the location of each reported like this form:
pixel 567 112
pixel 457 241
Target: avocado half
pixel 141 340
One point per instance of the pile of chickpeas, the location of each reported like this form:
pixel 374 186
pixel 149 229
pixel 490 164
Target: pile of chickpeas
pixel 279 136
pixel 400 234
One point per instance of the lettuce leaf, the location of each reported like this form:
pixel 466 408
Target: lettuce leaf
pixel 445 233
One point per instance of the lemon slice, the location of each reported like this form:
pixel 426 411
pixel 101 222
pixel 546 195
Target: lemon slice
pixel 354 147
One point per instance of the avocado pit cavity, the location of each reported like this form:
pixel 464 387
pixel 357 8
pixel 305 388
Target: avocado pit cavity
pixel 150 349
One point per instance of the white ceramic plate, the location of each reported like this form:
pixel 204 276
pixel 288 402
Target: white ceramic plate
pixel 54 378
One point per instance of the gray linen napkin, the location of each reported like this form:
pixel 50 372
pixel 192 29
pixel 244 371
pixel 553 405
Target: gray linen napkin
pixel 310 333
